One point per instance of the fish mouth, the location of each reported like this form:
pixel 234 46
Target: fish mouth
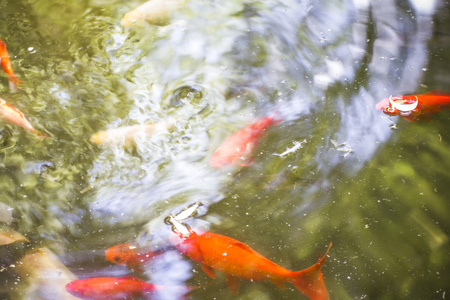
pixel 382 104
pixel 401 105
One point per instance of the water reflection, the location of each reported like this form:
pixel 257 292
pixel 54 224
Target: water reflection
pixel 213 69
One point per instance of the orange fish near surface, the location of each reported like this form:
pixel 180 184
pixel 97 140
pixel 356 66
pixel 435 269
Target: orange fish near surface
pixel 6 65
pixel 415 107
pixel 238 147
pixel 238 260
pixel 130 255
pixel 111 288
pixel 16 117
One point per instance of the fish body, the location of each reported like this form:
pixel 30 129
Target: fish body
pixel 238 147
pixel 14 116
pixel 415 107
pixel 130 255
pixel 111 288
pixel 11 253
pixel 238 261
pixel 155 12
pixel 6 65
pixel 126 136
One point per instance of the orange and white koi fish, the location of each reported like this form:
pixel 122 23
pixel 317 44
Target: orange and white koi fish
pixel 238 260
pixel 6 65
pixel 415 107
pixel 238 147
pixel 16 117
pixel 126 135
pixel 155 12
pixel 130 255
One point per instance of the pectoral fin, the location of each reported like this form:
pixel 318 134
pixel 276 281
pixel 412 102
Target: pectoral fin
pixel 279 284
pixel 247 163
pixel 233 284
pixel 209 271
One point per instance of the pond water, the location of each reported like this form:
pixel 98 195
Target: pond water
pixel 375 186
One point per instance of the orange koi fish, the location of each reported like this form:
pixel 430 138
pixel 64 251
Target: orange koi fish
pixel 111 288
pixel 130 255
pixel 118 288
pixel 237 147
pixel 415 107
pixel 238 260
pixel 16 117
pixel 6 65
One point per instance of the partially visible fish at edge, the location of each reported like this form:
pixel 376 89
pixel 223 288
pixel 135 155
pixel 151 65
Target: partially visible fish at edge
pixel 415 107
pixel 6 65
pixel 14 116
pixel 155 12
pixel 118 288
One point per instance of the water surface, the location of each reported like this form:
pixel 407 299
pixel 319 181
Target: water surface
pixel 376 187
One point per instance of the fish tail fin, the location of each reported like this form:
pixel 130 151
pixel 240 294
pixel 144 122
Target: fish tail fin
pixel 13 86
pixel 41 134
pixel 13 79
pixel 310 281
pixel 276 115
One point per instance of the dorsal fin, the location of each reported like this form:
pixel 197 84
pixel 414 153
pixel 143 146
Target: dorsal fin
pixel 253 252
pixel 438 92
pixel 135 278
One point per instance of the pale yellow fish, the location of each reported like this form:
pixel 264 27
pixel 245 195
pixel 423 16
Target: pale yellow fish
pixel 155 12
pixel 14 116
pixel 125 136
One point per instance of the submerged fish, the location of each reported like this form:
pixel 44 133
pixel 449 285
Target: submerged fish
pixel 126 135
pixel 111 288
pixel 16 117
pixel 120 288
pixel 415 107
pixel 11 253
pixel 238 260
pixel 130 255
pixel 154 12
pixel 6 65
pixel 238 147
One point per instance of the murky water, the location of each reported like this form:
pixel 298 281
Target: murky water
pixel 376 187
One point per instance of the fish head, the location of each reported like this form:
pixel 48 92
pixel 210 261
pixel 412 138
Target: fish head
pixel 99 137
pixel 81 289
pixel 401 105
pixel 187 244
pixel 119 254
pixel 218 160
pixel 264 123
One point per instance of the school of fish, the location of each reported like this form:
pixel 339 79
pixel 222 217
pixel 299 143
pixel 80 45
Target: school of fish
pixel 214 252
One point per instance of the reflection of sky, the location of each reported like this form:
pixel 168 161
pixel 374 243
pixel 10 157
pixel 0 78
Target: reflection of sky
pixel 320 58
pixel 395 67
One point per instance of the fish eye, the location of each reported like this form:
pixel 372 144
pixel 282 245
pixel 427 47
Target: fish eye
pixel 389 109
pixel 117 258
